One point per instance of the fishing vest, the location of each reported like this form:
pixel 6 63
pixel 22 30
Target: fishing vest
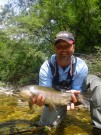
pixel 65 84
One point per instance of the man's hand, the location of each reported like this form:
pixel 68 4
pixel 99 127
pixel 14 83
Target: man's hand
pixel 40 100
pixel 73 99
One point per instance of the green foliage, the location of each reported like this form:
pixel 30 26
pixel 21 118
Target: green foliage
pixel 30 27
pixel 97 50
pixel 41 20
pixel 94 63
pixel 19 62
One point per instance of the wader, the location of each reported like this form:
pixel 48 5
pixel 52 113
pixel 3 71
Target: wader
pixel 52 117
pixel 93 85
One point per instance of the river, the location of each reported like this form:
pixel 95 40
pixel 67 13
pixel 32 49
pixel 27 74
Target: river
pixel 15 117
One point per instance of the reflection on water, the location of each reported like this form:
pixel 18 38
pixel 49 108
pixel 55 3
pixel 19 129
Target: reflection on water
pixel 16 117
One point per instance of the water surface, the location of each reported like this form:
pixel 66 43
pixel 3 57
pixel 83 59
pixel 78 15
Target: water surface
pixel 15 117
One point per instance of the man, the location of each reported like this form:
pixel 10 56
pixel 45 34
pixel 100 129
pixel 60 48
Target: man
pixel 62 71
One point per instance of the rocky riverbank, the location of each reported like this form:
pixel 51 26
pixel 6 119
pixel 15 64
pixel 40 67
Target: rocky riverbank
pixel 6 88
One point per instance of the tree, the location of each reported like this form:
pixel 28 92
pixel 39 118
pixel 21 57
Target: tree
pixel 30 27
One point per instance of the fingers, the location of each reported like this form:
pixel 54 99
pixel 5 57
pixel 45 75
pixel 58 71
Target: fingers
pixel 40 100
pixel 74 95
pixel 74 99
pixel 70 106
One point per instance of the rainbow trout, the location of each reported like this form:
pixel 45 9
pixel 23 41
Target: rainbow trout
pixel 52 96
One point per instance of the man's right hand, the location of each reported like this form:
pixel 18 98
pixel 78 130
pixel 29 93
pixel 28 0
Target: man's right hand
pixel 39 100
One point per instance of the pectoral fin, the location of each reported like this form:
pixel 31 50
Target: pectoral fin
pixel 30 104
pixel 52 107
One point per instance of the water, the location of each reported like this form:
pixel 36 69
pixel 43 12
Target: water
pixel 15 117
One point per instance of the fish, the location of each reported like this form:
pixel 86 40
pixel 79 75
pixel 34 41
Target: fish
pixel 52 96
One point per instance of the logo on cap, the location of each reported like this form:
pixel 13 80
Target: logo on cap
pixel 62 35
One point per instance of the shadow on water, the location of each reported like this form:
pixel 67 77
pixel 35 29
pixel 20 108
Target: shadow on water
pixel 16 117
pixel 14 127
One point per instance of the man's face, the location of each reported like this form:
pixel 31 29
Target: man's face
pixel 64 49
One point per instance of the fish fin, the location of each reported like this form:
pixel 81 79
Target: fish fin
pixel 30 104
pixel 52 107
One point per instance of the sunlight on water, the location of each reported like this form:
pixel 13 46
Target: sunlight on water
pixel 15 116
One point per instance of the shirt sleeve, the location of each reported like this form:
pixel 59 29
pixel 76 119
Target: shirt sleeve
pixel 80 77
pixel 45 75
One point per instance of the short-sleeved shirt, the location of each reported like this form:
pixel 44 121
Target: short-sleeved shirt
pixel 46 77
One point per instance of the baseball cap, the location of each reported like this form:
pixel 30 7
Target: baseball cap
pixel 66 36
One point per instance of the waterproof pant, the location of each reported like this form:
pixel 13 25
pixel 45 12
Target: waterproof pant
pixel 52 117
pixel 93 85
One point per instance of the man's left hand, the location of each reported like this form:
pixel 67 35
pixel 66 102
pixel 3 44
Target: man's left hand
pixel 71 105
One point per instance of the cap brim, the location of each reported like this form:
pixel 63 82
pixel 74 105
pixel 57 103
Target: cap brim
pixel 65 39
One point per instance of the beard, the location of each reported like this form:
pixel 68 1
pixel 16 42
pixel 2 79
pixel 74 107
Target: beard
pixel 63 61
pixel 64 57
